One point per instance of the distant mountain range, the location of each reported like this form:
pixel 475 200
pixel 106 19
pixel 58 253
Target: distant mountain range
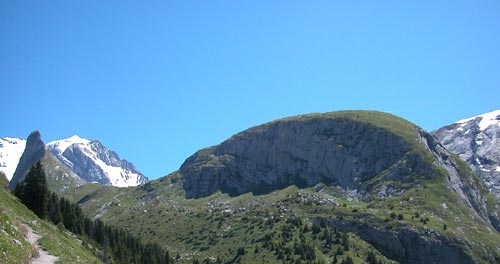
pixel 82 160
pixel 338 187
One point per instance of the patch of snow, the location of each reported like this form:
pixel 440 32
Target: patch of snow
pixel 11 150
pixel 63 144
pixel 487 119
pixel 116 175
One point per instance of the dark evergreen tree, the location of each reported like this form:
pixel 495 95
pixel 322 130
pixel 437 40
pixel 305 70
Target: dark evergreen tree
pixel 371 258
pixel 33 190
pixel 19 191
pixel 115 245
pixel 316 228
pixel 345 242
pixel 54 209
pixel 348 260
pixel 306 228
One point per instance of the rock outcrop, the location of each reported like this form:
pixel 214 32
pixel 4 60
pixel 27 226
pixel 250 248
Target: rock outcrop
pixel 59 177
pixel 92 161
pixel 33 152
pixel 371 152
pixel 407 245
pixel 476 141
pixel 336 151
pixel 376 154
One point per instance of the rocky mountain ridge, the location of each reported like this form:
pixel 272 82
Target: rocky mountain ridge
pixel 92 161
pixel 476 141
pixel 332 151
pixel 373 153
pixel 89 160
pixel 59 178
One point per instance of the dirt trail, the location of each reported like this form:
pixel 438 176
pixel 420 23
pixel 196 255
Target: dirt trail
pixel 44 257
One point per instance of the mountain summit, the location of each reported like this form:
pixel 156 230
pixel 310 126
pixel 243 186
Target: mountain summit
pixel 476 140
pixel 376 154
pixel 338 148
pixel 92 161
pixel 59 177
pixel 76 159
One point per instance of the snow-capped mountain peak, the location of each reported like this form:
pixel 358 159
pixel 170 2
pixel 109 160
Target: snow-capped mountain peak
pixel 94 163
pixel 63 144
pixel 11 150
pixel 487 119
pixel 476 140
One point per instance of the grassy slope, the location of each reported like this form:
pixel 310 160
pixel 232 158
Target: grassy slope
pixel 13 215
pixel 58 175
pixel 218 225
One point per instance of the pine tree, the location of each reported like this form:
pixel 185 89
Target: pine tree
pixel 116 245
pixel 371 258
pixel 34 192
pixel 335 260
pixel 54 209
pixel 19 190
pixel 348 260
pixel 345 242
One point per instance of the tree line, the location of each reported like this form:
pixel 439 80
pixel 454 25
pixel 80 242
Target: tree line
pixel 115 245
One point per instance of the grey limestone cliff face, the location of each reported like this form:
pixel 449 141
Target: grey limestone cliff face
pixel 84 166
pixel 93 162
pixel 59 177
pixel 111 158
pixel 84 163
pixel 407 245
pixel 335 151
pixel 461 181
pixel 34 151
pixel 480 148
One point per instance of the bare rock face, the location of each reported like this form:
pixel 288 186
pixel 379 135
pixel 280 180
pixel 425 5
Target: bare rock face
pixel 93 162
pixel 59 177
pixel 407 245
pixel 476 141
pixel 336 151
pixel 379 158
pixel 34 151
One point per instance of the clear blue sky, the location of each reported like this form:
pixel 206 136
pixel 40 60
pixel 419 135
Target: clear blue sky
pixel 157 80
